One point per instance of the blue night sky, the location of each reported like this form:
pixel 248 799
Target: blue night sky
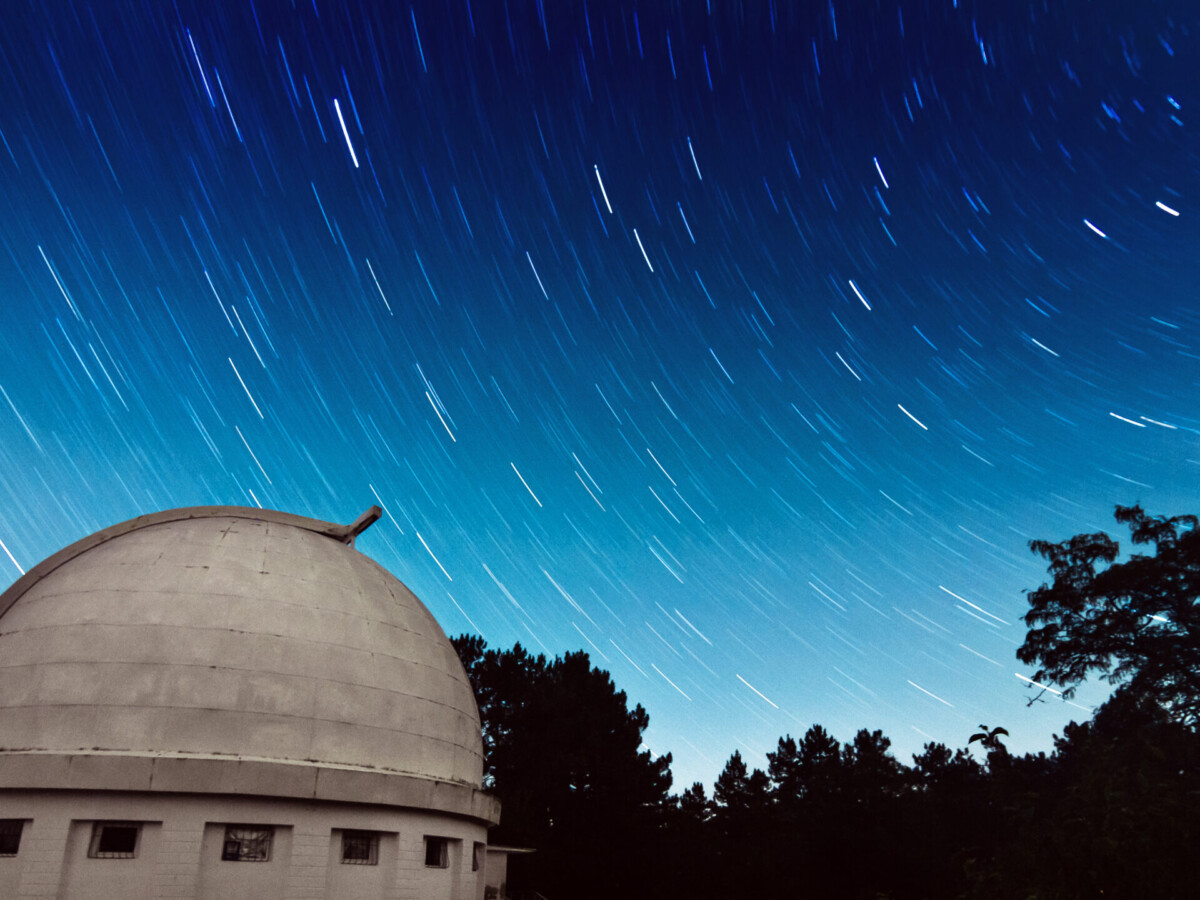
pixel 742 345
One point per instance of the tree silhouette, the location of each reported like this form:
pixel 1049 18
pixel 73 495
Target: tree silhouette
pixel 564 754
pixel 990 740
pixel 1111 813
pixel 740 796
pixel 937 767
pixel 874 774
pixel 1115 809
pixel 811 770
pixel 694 805
pixel 732 787
pixel 741 831
pixel 1135 622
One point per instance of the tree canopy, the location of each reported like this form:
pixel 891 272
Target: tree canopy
pixel 1113 810
pixel 1135 622
pixel 563 752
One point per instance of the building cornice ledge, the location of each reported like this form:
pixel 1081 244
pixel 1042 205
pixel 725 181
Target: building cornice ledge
pixel 260 778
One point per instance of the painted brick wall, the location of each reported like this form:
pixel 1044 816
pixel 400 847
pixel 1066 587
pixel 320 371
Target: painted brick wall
pixel 43 845
pixel 178 864
pixel 310 860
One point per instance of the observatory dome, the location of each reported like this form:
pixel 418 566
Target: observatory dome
pixel 230 633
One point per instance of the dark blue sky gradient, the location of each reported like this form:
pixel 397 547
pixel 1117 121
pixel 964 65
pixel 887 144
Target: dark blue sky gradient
pixel 743 346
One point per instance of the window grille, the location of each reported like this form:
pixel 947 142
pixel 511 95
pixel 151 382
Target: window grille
pixel 247 843
pixel 360 848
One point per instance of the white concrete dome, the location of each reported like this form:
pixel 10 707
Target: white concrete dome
pixel 224 633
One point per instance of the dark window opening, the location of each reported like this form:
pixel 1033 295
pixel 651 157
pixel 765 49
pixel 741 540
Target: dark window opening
pixel 360 848
pixel 437 852
pixel 10 836
pixel 477 856
pixel 114 840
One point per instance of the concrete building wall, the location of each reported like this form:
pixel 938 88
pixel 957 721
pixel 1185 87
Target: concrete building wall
pixel 182 839
pixel 431 883
pixel 102 879
pixel 197 669
pixel 244 880
pixel 43 848
pixel 355 882
pixel 179 855
pixel 10 876
pixel 496 881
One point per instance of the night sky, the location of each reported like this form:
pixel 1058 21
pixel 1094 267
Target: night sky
pixel 741 345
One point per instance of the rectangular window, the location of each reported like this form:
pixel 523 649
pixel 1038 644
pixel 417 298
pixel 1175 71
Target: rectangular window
pixel 114 840
pixel 477 856
pixel 247 843
pixel 437 852
pixel 10 836
pixel 360 848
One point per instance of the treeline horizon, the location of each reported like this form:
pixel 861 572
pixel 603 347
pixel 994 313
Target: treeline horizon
pixel 1113 809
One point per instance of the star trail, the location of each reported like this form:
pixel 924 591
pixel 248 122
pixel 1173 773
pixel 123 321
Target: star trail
pixel 741 345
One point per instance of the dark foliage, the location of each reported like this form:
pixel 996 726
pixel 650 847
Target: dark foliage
pixel 563 753
pixel 1114 811
pixel 1136 623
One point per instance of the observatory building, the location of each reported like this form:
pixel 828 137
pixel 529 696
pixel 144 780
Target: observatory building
pixel 220 702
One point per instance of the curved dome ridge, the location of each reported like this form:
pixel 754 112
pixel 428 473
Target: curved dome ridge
pixel 233 632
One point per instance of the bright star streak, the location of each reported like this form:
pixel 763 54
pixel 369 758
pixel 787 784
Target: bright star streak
pixel 911 416
pixel 603 193
pixel 1044 687
pixel 337 106
pixel 377 286
pixel 440 419
pixel 252 455
pixel 858 293
pixel 537 276
pixel 756 690
pixel 20 418
pixel 930 693
pixel 246 389
pixel 10 556
pixel 435 559
pixel 972 605
pixel 1043 346
pixel 692 151
pixel 669 681
pixel 643 249
pixel 1130 421
pixel 526 483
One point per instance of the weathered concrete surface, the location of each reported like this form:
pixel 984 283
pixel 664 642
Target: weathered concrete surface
pixel 194 669
pixel 231 633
